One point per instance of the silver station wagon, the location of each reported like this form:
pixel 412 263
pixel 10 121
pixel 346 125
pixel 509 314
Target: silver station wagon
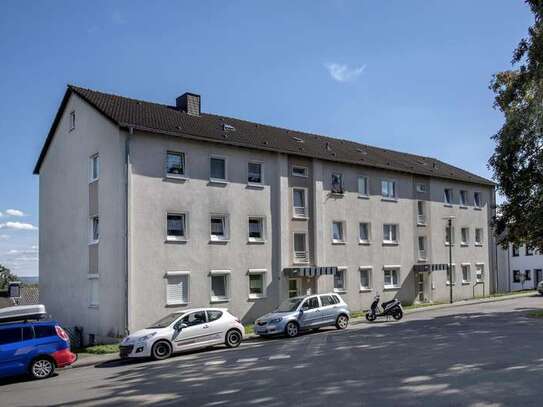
pixel 302 313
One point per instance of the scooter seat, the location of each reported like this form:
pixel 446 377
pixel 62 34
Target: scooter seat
pixel 387 303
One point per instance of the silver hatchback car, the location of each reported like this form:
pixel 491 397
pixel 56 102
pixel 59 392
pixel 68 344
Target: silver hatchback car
pixel 302 313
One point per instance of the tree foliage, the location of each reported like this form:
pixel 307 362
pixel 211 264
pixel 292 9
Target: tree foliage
pixel 517 161
pixel 6 277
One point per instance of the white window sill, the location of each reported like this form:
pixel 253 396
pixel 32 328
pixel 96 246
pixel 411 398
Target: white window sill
pixel 340 290
pixel 386 199
pixel 175 304
pixel 422 259
pixel 216 300
pixel 476 208
pixel 93 306
pixel 300 217
pixel 466 282
pixel 171 239
pixel 363 197
pixel 219 241
pixel 256 241
pixel 365 290
pixel 218 181
pixel 421 224
pixel 449 244
pixel 93 180
pixel 448 205
pixel 256 297
pixel 464 244
pixel 254 185
pixel 93 242
pixel 391 287
pixel 339 194
pixel 390 243
pixel 479 244
pixel 364 242
pixel 480 281
pixel 463 207
pixel 176 177
pixel 299 263
pixel 338 242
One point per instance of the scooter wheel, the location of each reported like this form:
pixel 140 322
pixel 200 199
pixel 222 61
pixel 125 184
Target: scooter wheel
pixel 370 317
pixel 398 315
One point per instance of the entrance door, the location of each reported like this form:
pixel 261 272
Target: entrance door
pixel 538 276
pixel 420 284
pixel 294 287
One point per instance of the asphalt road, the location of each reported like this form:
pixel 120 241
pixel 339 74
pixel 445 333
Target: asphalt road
pixel 479 355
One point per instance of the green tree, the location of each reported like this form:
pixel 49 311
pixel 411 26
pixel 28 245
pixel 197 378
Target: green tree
pixel 6 277
pixel 517 161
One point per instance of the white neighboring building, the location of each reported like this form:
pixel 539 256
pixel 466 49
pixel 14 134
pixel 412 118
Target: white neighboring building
pixel 519 268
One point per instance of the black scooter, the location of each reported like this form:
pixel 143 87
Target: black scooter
pixel 389 308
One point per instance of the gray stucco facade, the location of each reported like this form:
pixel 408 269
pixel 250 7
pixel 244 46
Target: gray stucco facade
pixel 127 274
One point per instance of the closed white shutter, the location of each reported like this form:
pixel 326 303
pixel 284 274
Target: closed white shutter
pixel 177 289
pixel 93 291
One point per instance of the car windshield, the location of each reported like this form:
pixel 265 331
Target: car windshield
pixel 164 322
pixel 289 305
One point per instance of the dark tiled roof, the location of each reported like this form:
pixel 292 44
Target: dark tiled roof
pixel 165 119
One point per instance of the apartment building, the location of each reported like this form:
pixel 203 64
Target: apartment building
pixel 519 268
pixel 147 209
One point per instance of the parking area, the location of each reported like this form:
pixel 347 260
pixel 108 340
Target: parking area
pixel 478 355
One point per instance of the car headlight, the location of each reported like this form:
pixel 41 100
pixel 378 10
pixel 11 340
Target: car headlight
pixel 146 337
pixel 276 320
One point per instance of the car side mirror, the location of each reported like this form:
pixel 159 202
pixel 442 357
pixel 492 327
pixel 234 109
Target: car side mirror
pixel 301 311
pixel 180 327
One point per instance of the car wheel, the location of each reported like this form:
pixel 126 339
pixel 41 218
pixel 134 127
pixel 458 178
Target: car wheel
pixel 371 317
pixel 342 321
pixel 161 350
pixel 398 315
pixel 292 329
pixel 42 368
pixel 233 338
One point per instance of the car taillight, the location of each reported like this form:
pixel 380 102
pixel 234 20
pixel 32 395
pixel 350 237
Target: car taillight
pixel 61 333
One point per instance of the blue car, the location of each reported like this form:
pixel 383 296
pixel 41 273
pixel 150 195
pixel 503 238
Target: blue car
pixel 32 345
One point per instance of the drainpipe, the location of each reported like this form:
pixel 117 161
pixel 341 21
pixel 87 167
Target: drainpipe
pixel 127 228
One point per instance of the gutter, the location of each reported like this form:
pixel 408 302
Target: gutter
pixel 127 229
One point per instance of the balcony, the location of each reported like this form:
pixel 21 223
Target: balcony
pixel 301 257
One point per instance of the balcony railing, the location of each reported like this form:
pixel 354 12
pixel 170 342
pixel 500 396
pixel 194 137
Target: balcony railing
pixel 299 211
pixel 421 219
pixel 301 257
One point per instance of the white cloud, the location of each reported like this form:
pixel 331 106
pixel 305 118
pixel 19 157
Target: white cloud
pixel 14 212
pixel 344 73
pixel 18 226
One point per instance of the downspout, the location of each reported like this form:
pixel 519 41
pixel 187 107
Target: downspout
pixel 127 229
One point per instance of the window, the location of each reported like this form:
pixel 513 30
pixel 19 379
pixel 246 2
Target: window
pixel 220 290
pixel 529 250
pixel 421 213
pixel 10 335
pixel 217 169
pixel 299 171
pixel 337 183
pixel 94 229
pixel 421 188
pixel 448 196
pixel 516 251
pixel 392 277
pixel 388 189
pixel 479 236
pixel 310 303
pixel 72 120
pixel 254 173
pixel 452 275
pixel 364 232
pixel 194 318
pixel 299 202
pixel 256 229
pixel 94 168
pixel 257 283
pixel 480 272
pixel 466 273
pixel 175 164
pixel 449 235
pixel 339 279
pixel 463 198
pixel 464 232
pixel 516 276
pixel 94 299
pixel 327 300
pixel 338 232
pixel 363 186
pixel 390 233
pixel 177 288
pixel 477 199
pixel 213 315
pixel 527 275
pixel 300 248
pixel 44 331
pixel 365 278
pixel 176 226
pixel 219 227
pixel 422 247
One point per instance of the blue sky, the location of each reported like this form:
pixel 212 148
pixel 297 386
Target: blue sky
pixel 406 75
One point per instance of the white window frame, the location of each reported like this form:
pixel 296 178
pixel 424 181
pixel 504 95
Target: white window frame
pixel 369 270
pixel 92 240
pixel 453 274
pixel 366 179
pixel 445 199
pixel 263 273
pixel 305 209
pixel 252 183
pixel 262 239
pixel 462 241
pixel 463 198
pixel 305 172
pixel 480 266
pixel 343 289
pixel 226 227
pixel 219 180
pixel 173 238
pixel 391 286
pixel 71 123
pixel 226 274
pixel 463 266
pixel 394 184
pixel 477 205
pixel 170 275
pixel 368 240
pixel 94 283
pixel 389 241
pixel 452 236
pixel 92 159
pixel 341 183
pixel 421 217
pixel 342 239
pixel 182 176
pixel 296 259
pixel 479 242
pixel 422 254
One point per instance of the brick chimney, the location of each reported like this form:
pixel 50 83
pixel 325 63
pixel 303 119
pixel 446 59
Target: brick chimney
pixel 189 103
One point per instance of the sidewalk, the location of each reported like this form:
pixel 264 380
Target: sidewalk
pixel 91 360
